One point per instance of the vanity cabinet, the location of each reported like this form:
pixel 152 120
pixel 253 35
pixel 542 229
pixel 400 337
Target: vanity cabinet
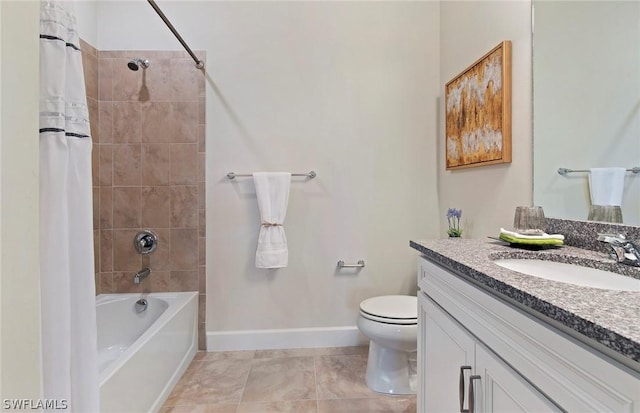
pixel 460 368
pixel 514 362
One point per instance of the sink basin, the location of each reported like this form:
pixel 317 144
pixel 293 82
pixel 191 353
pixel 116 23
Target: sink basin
pixel 572 274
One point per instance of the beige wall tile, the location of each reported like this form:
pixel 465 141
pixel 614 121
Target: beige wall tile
pixel 94 119
pixel 184 164
pixel 96 252
pixel 202 223
pixel 105 169
pixel 106 282
pixel 202 145
pixel 126 165
pixel 105 113
pixel 202 251
pixel 184 206
pixel 106 251
pixel 126 122
pixel 158 79
pixel 126 207
pixel 156 207
pixel 202 172
pixel 184 281
pixel 186 122
pixel 105 79
pixel 106 208
pixel 159 280
pixel 95 200
pixel 187 80
pixel 202 280
pixel 125 257
pixel 158 122
pixel 95 164
pixel 156 164
pixel 184 249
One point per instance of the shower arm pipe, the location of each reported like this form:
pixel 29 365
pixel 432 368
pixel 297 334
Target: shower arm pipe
pixel 199 63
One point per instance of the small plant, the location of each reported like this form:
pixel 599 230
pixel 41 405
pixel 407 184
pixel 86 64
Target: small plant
pixel 453 217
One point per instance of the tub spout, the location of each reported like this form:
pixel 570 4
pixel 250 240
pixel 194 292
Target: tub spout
pixel 141 275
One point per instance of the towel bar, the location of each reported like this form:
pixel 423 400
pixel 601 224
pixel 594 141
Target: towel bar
pixel 310 175
pixel 360 264
pixel 564 171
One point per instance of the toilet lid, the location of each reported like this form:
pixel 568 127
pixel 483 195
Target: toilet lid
pixel 391 307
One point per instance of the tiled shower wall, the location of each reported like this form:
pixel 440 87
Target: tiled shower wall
pixel 148 170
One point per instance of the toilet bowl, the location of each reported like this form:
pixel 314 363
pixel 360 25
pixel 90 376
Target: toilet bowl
pixel 390 323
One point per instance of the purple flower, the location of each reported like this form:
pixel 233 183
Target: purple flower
pixel 453 218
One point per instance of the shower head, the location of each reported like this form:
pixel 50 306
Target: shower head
pixel 135 64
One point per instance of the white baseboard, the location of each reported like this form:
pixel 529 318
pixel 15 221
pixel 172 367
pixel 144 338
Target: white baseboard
pixel 285 338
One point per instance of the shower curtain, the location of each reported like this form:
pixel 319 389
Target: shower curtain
pixel 67 286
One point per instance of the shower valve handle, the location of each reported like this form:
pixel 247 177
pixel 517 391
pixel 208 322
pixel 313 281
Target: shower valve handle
pixel 145 241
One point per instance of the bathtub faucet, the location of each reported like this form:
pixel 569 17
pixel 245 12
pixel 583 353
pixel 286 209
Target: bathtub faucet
pixel 141 275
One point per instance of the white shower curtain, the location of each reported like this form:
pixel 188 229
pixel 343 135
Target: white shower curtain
pixel 69 349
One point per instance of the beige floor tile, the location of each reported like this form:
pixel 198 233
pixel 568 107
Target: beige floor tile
pixel 387 404
pixel 287 352
pixel 277 379
pixel 210 382
pixel 224 355
pixel 202 408
pixel 342 377
pixel 336 351
pixel 298 406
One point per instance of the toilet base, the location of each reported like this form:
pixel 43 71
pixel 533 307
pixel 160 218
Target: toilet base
pixel 391 371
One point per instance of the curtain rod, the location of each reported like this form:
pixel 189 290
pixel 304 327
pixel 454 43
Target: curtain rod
pixel 199 63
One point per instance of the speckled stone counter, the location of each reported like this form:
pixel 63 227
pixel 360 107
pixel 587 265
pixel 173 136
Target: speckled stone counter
pixel 610 318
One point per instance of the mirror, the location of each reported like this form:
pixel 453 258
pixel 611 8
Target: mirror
pixel 586 110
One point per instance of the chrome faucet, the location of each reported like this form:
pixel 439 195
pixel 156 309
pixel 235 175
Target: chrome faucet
pixel 141 275
pixel 621 249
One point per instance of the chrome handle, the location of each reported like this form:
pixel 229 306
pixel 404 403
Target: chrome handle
pixel 145 241
pixel 341 264
pixel 472 393
pixel 461 397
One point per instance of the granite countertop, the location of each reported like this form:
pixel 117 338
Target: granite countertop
pixel 610 318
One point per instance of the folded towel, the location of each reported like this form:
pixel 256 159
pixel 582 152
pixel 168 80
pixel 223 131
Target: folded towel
pixel 606 185
pixel 272 191
pixel 542 239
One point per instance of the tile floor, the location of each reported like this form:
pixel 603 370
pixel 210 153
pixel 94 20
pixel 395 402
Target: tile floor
pixel 322 380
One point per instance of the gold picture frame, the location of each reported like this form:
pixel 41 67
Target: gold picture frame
pixel 478 112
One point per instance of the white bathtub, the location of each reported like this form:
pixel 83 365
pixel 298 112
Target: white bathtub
pixel 143 355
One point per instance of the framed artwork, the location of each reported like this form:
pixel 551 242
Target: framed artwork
pixel 478 112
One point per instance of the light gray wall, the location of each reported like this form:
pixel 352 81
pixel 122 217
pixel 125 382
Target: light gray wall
pixel 345 88
pixel 487 195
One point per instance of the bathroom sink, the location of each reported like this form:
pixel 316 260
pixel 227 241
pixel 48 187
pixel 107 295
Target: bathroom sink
pixel 572 274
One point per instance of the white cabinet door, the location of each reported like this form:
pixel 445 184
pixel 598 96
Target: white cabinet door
pixel 500 389
pixel 444 348
pixel 448 353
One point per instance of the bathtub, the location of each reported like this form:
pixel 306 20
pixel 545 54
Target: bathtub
pixel 142 356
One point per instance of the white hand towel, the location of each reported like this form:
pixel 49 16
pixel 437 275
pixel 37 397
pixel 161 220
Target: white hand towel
pixel 606 186
pixel 272 190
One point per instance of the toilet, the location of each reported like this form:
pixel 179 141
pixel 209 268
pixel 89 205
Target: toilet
pixel 390 323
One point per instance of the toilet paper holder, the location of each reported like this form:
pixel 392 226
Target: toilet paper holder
pixel 359 264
